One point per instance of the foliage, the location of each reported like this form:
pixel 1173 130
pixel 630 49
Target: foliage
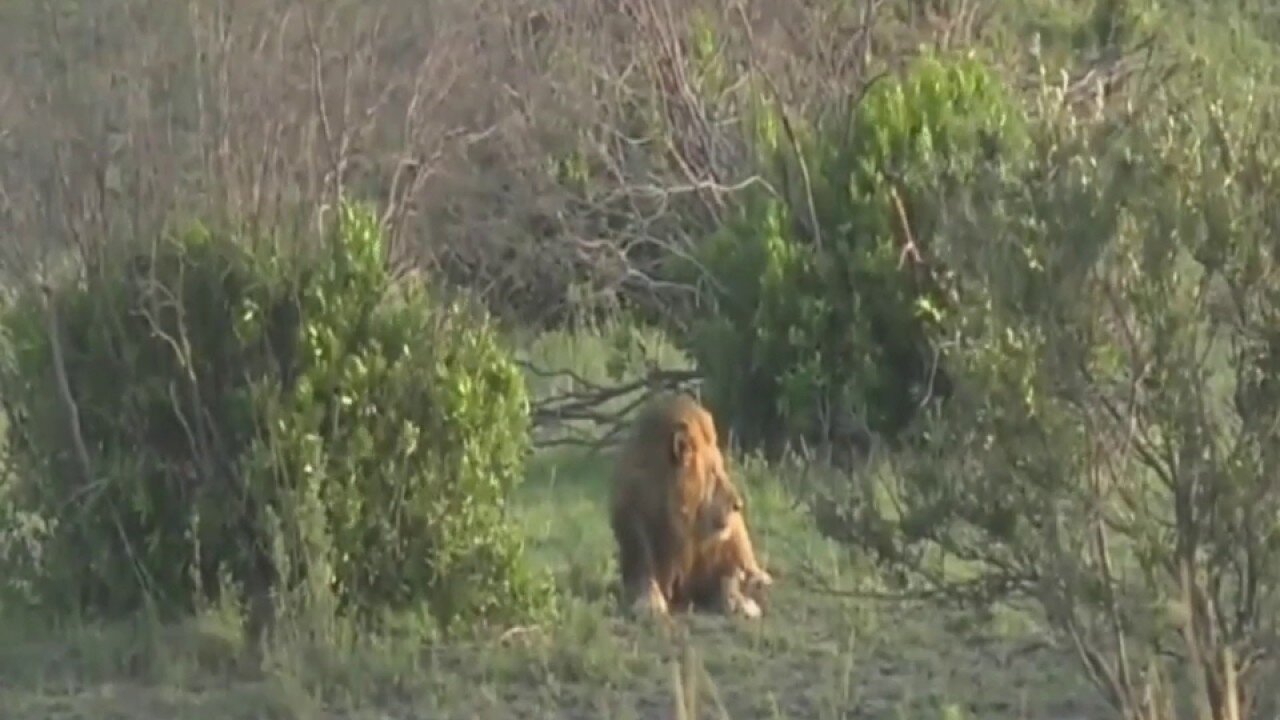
pixel 1110 448
pixel 818 307
pixel 295 422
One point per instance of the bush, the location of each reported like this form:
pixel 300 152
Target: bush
pixel 1109 451
pixel 819 315
pixel 295 423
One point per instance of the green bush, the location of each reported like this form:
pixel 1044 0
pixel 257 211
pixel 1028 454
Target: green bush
pixel 817 317
pixel 1109 452
pixel 296 423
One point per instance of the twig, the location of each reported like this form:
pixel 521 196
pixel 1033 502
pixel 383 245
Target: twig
pixel 79 447
pixel 81 450
pixel 586 404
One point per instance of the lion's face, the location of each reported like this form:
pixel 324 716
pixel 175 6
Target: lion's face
pixel 717 498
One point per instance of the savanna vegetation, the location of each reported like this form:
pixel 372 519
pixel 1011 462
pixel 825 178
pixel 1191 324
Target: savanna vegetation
pixel 318 319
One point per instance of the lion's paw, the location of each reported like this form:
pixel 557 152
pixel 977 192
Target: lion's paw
pixel 651 603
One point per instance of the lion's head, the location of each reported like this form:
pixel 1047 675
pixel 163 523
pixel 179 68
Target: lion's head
pixel 709 491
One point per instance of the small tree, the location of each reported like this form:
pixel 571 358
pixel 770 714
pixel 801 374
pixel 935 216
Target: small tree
pixel 1111 448
pixel 821 304
pixel 295 421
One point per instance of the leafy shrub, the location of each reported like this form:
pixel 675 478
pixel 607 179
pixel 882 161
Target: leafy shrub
pixel 1110 448
pixel 297 423
pixel 816 312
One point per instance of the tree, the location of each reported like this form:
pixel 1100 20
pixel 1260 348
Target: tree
pixel 1111 449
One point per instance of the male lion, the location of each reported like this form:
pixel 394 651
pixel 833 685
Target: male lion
pixel 670 492
pixel 725 575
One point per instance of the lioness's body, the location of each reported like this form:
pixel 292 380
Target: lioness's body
pixel 670 491
pixel 725 575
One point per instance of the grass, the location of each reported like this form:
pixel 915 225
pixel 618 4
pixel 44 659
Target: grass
pixel 813 656
pixel 816 654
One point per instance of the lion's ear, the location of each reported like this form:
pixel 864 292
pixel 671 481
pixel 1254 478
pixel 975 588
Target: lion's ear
pixel 681 444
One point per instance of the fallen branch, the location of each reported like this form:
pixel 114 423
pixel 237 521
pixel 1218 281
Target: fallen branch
pixel 587 402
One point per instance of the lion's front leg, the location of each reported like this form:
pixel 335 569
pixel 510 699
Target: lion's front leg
pixel 651 602
pixel 635 577
pixel 640 567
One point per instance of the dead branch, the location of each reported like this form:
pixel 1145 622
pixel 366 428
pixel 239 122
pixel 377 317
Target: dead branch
pixel 80 451
pixel 587 400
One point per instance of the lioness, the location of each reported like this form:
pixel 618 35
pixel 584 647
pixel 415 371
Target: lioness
pixel 725 575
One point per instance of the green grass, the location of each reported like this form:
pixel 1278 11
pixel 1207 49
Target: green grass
pixel 815 654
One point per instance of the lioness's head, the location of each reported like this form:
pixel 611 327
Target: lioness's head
pixel 713 516
pixel 714 494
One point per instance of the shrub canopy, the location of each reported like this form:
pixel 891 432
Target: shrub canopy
pixel 293 422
